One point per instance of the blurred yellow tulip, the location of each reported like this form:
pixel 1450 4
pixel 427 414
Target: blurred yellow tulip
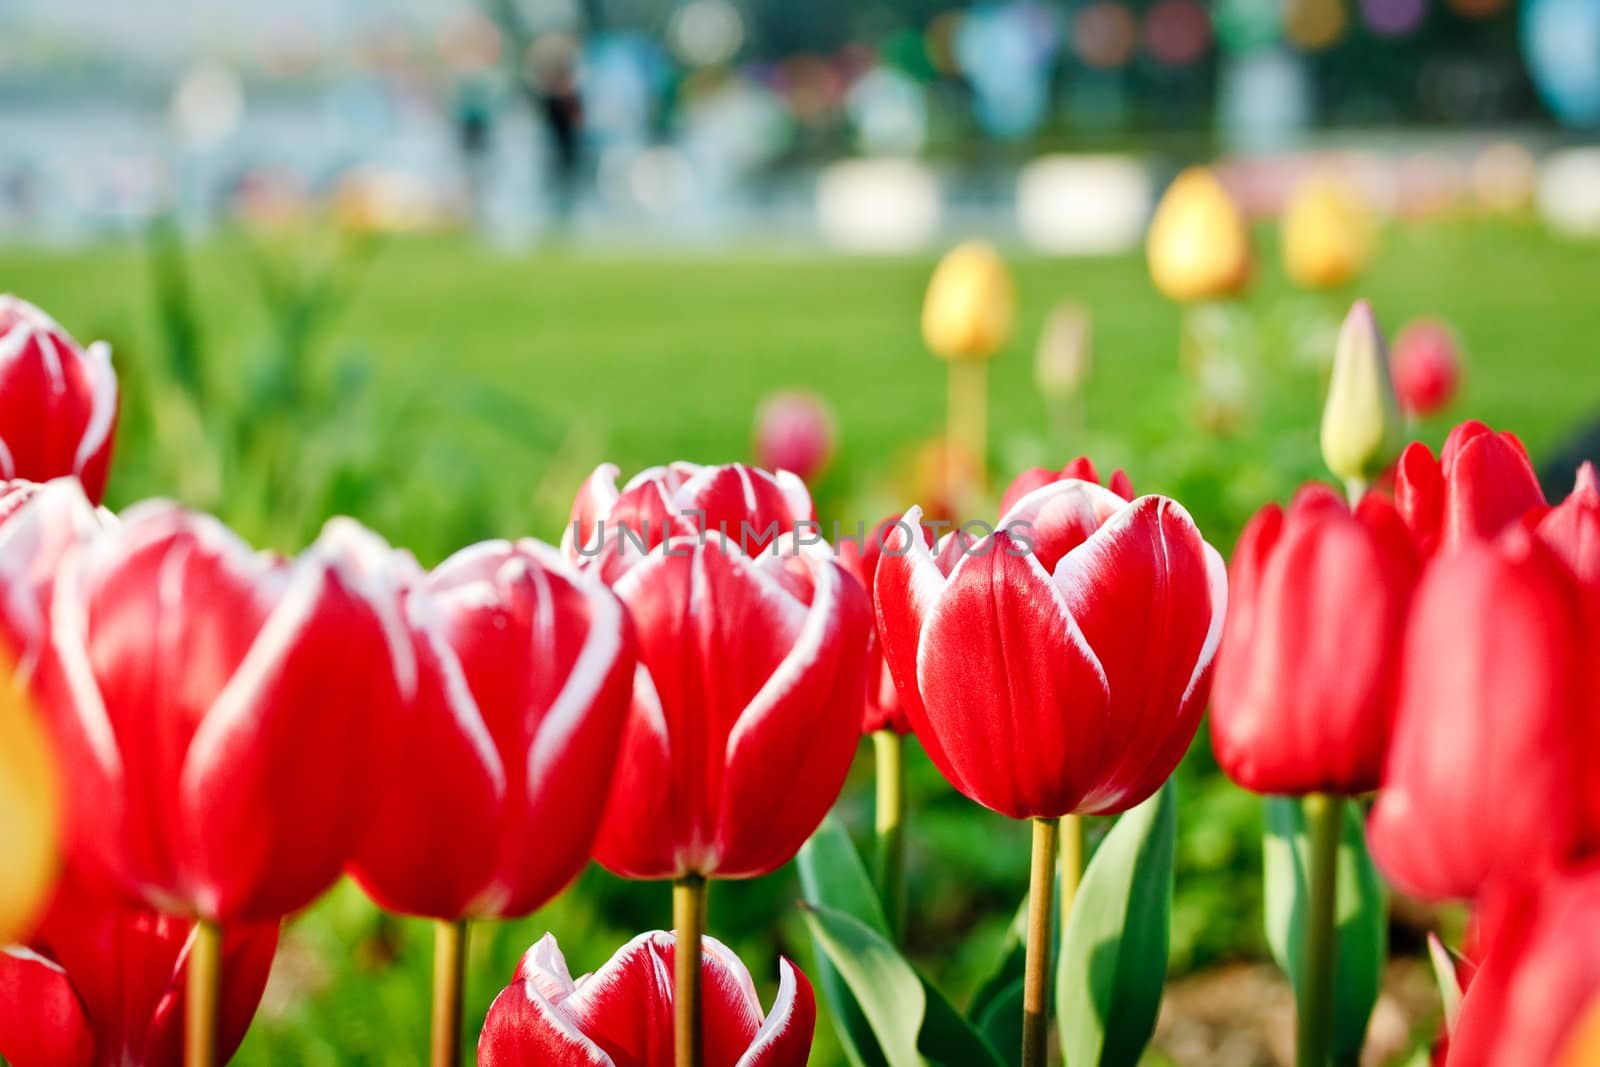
pixel 1582 1047
pixel 1361 421
pixel 1329 232
pixel 970 305
pixel 1199 246
pixel 28 812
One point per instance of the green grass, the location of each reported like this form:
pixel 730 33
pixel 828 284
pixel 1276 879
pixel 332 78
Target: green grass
pixel 456 374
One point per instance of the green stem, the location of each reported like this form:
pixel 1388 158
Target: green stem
pixel 1314 1031
pixel 202 994
pixel 888 749
pixel 1071 863
pixel 449 980
pixel 1036 967
pixel 689 925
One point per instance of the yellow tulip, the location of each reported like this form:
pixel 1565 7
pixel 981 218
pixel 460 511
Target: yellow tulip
pixel 1361 422
pixel 970 305
pixel 1199 246
pixel 1582 1046
pixel 1328 233
pixel 28 812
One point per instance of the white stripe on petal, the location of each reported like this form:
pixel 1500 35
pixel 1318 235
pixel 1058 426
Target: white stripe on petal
pixel 103 399
pixel 601 646
pixel 778 1021
pixel 1217 577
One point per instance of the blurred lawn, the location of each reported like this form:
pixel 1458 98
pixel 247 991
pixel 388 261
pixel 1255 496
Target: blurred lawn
pixel 460 375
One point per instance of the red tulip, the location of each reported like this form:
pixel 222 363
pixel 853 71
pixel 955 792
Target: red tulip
pixel 1482 482
pixel 883 709
pixel 1305 689
pixel 211 708
pixel 58 403
pixel 614 530
pixel 1427 369
pixel 493 776
pixel 621 1016
pixel 746 708
pixel 1482 775
pixel 1081 468
pixel 1572 528
pixel 104 985
pixel 1539 978
pixel 794 432
pixel 1060 664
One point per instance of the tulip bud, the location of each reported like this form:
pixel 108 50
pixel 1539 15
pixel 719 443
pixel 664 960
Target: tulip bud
pixel 1361 422
pixel 28 812
pixel 58 402
pixel 970 305
pixel 623 1012
pixel 1328 233
pixel 794 432
pixel 1427 368
pixel 1023 658
pixel 1199 246
pixel 1061 364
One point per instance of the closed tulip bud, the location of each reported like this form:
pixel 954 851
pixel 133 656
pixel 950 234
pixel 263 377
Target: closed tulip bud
pixel 1481 483
pixel 794 432
pixel 612 530
pixel 884 709
pixel 493 775
pixel 1025 659
pixel 1328 233
pixel 1199 245
pixel 1304 699
pixel 103 985
pixel 968 311
pixel 746 666
pixel 212 709
pixel 58 402
pixel 1481 778
pixel 1361 420
pixel 1534 999
pixel 621 1016
pixel 1427 367
pixel 1080 469
pixel 1066 349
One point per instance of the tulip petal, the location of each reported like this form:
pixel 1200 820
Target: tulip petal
pixel 41 1020
pixel 1149 596
pixel 907 585
pixel 595 500
pixel 784 1039
pixel 1489 486
pixel 806 714
pixel 524 1028
pixel 1012 689
pixel 1058 517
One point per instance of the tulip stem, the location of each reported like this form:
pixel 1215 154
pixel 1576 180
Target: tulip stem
pixel 1071 863
pixel 889 749
pixel 449 981
pixel 1325 822
pixel 689 925
pixel 1035 976
pixel 201 995
pixel 967 425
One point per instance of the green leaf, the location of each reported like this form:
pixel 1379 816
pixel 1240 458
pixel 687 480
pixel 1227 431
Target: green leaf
pixel 887 990
pixel 1360 916
pixel 1113 963
pixel 1008 967
pixel 999 1020
pixel 833 876
pixel 1444 973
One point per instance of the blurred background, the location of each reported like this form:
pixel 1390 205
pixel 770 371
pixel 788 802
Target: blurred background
pixel 427 262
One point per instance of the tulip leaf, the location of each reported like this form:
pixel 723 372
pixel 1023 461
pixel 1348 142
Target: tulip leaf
pixel 1008 968
pixel 999 1020
pixel 1113 963
pixel 885 987
pixel 1444 973
pixel 833 876
pixel 1360 916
